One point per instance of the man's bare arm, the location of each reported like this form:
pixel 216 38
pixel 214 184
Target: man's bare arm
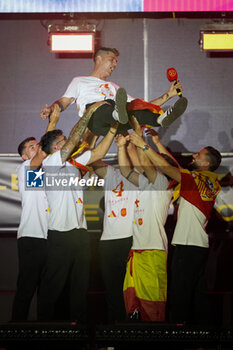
pixel 133 156
pixel 62 104
pixel 156 159
pixel 143 160
pixel 172 91
pixel 102 148
pixel 124 163
pixel 53 118
pixel 78 131
pixel 37 160
pixel 90 138
pixel 161 148
pixel 149 168
pixel 100 168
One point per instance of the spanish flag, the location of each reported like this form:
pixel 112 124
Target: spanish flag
pixel 139 104
pixel 200 188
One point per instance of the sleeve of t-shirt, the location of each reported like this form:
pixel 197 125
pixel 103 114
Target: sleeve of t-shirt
pixel 161 182
pixel 72 90
pixel 53 160
pixel 21 173
pixel 110 172
pixel 143 182
pixel 56 161
pixel 84 158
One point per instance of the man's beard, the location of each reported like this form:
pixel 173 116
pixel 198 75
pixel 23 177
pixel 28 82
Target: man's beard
pixel 192 166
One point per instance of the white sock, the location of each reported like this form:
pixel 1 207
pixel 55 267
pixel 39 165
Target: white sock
pixel 161 118
pixel 115 115
pixel 164 115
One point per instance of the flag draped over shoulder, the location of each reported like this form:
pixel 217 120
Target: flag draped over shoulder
pixel 200 188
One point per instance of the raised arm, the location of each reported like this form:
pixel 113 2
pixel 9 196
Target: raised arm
pixel 90 138
pixel 53 118
pixel 41 155
pixel 133 156
pixel 147 167
pixel 59 105
pixel 102 148
pixel 157 142
pixel 172 91
pixel 155 158
pixel 100 168
pixel 78 131
pixel 125 165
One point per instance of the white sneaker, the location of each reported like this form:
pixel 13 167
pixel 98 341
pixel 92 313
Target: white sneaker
pixel 173 112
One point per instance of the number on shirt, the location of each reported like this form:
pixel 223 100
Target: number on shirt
pixel 119 189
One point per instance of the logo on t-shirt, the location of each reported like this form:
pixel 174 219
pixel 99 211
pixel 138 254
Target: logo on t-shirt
pixel 105 90
pixel 35 178
pixel 123 212
pixel 79 201
pixel 112 215
pixel 140 221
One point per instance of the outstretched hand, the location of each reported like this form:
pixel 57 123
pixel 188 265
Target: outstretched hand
pixel 135 125
pixel 172 91
pixel 121 140
pixel 154 135
pixel 136 140
pixel 45 112
pixel 131 147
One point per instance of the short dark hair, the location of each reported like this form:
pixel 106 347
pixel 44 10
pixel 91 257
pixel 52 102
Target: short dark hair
pixel 22 145
pixel 105 50
pixel 214 157
pixel 48 139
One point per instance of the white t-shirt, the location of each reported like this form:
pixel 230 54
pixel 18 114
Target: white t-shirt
pixel 119 205
pixel 35 212
pixel 91 89
pixel 150 213
pixel 66 204
pixel 190 226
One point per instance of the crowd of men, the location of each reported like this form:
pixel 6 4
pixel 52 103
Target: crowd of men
pixel 53 242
